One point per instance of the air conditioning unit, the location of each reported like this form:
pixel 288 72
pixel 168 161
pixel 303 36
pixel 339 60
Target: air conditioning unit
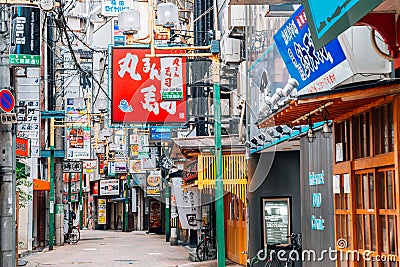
pixel 230 50
pixel 236 21
pixel 284 10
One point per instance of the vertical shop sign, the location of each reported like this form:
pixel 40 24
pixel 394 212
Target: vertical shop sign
pixel 28 115
pixel 25 36
pixel 171 78
pixel 101 211
pixel 154 183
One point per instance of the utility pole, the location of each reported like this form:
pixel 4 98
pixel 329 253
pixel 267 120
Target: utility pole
pixel 219 183
pixel 7 174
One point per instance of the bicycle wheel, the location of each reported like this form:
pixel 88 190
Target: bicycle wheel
pixel 274 262
pixel 75 235
pixel 205 251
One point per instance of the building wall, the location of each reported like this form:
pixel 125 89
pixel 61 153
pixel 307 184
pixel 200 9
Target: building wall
pixel 317 198
pixel 282 179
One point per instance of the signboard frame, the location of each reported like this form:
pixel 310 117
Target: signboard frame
pixel 274 219
pixel 130 68
pixel 344 15
pixel 315 70
pixel 72 166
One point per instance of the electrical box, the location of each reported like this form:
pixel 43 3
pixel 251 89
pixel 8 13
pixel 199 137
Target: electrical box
pixel 230 50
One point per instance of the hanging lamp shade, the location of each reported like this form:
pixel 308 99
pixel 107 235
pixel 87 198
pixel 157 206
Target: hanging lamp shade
pixel 129 21
pixel 167 14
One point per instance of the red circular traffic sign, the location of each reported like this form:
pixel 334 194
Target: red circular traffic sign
pixel 7 101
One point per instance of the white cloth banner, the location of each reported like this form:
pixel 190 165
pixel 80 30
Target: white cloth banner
pixel 188 204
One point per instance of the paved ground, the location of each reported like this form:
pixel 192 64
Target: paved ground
pixel 109 248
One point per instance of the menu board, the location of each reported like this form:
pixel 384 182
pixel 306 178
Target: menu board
pixel 102 211
pixel 276 219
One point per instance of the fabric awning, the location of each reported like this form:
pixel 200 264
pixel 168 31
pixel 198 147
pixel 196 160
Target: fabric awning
pixel 340 103
pixel 41 185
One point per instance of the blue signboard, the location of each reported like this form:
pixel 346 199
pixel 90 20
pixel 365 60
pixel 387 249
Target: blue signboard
pixel 160 133
pixel 303 61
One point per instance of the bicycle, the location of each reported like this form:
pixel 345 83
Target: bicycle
pixel 205 250
pixel 72 236
pixel 272 260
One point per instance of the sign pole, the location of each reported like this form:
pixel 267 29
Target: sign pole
pixel 80 202
pixel 51 219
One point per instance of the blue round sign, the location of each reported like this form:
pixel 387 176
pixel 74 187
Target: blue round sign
pixel 7 101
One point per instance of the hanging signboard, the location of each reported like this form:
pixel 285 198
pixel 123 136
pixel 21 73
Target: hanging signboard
pixel 160 133
pixel 101 211
pixel 328 19
pixel 276 220
pixel 115 167
pixel 138 83
pixel 154 183
pixel 25 36
pixel 109 187
pixel 315 70
pixel 72 166
pixel 135 166
pixel 117 35
pixel 22 147
pixel 89 166
pixel 111 8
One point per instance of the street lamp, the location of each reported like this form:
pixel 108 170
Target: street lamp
pixel 167 15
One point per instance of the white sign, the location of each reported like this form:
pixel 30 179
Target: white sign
pixel 27 109
pixel 134 199
pixel 171 78
pixel 111 8
pixel 109 187
pixel 346 183
pixel 89 166
pixel 336 184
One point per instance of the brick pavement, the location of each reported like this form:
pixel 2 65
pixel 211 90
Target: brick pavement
pixel 110 248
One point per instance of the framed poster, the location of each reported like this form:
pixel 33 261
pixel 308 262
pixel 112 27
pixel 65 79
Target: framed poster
pixel 276 220
pixel 101 211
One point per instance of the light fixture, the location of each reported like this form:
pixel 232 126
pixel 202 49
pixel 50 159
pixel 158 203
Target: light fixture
pixel 129 21
pixel 79 103
pixel 254 141
pixel 248 144
pixel 283 130
pixel 263 137
pixel 167 14
pixel 102 105
pixel 310 132
pixel 272 133
pixel 46 5
pixel 326 128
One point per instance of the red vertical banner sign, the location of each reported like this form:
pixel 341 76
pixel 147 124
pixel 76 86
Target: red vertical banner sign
pixel 137 90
